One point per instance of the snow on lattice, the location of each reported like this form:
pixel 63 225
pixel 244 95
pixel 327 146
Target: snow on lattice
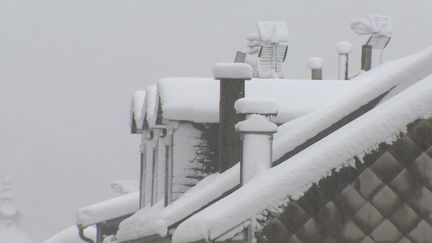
pixel 70 235
pixel 232 71
pixel 292 178
pixel 125 186
pixel 374 25
pixel 315 63
pixel 109 209
pixel 251 105
pixel 344 47
pixel 272 31
pixel 256 123
pixel 197 99
pixel 156 220
pixel 395 76
pixel 138 107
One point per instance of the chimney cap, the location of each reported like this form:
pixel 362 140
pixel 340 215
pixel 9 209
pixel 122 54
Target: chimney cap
pixel 256 124
pixel 255 105
pixel 315 63
pixel 232 71
pixel 344 47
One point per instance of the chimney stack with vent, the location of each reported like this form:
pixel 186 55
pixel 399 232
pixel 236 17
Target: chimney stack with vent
pixel 343 48
pixel 315 64
pixel 257 135
pixel 232 78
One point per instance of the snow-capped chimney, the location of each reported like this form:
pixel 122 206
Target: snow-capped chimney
pixel 257 138
pixel 343 48
pixel 257 135
pixel 232 78
pixel 379 30
pixel 315 64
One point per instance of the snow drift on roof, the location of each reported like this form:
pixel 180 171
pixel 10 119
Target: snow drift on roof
pixel 156 220
pixel 152 101
pixel 292 178
pixel 109 209
pixel 395 76
pixel 197 99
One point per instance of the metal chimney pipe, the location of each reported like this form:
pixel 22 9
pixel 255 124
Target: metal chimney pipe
pixel 315 64
pixel 343 48
pixel 366 58
pixel 232 78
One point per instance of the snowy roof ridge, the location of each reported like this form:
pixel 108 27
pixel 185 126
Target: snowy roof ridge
pixel 110 209
pixel 309 166
pixel 201 104
pixel 391 77
pixel 156 220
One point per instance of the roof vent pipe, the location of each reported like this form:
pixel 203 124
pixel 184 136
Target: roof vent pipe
pixel 343 48
pixel 315 64
pixel 232 78
pixel 257 135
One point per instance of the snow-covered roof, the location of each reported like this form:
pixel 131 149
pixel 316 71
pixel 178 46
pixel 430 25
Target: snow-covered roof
pixel 291 179
pixel 70 235
pixel 156 220
pixel 109 209
pixel 138 107
pixel 197 99
pixel 393 76
pixel 152 103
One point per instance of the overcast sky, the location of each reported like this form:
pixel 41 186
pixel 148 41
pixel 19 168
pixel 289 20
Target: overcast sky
pixel 68 68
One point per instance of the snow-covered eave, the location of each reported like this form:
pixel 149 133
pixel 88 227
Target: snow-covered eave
pixel 158 220
pixel 292 178
pixel 107 210
pixel 138 109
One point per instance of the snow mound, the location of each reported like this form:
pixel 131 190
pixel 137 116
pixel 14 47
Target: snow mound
pixel 264 106
pixel 109 209
pixel 315 63
pixel 256 123
pixel 343 47
pixel 272 31
pixel 232 71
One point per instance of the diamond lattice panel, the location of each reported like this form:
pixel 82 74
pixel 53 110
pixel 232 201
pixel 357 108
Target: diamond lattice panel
pixel 388 198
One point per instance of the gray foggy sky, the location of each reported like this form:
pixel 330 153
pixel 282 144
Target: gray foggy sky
pixel 68 68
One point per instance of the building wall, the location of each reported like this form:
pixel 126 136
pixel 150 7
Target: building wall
pixel 386 198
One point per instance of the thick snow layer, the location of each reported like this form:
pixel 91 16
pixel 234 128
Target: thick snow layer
pixel 197 99
pixel 156 220
pixel 374 25
pixel 152 102
pixel 232 71
pixel 250 105
pixel 293 177
pixel 315 63
pixel 138 107
pixel 69 235
pixel 110 209
pixel 395 75
pixel 343 47
pixel 272 31
pixel 256 123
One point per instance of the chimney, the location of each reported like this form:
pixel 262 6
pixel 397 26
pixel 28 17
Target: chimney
pixel 257 138
pixel 366 57
pixel 232 78
pixel 315 64
pixel 257 135
pixel 343 48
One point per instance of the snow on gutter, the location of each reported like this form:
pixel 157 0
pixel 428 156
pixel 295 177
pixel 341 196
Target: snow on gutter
pixel 392 77
pixel 156 220
pixel 292 178
pixel 109 209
